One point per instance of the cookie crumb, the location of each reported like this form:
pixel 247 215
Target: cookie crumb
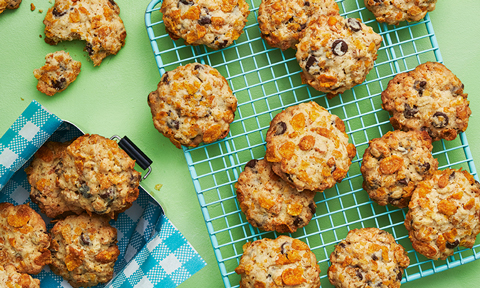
pixel 22 99
pixel 40 35
pixel 40 11
pixel 32 7
pixel 158 187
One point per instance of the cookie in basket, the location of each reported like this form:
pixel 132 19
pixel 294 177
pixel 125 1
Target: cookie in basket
pixel 9 4
pixel 282 262
pixel 213 23
pixel 24 239
pixel 336 54
pixel 59 71
pixel 11 278
pixel 308 147
pixel 282 22
pixel 99 177
pixel 193 104
pixel 444 213
pixel 270 203
pixel 393 12
pixel 368 257
pixel 43 174
pixel 394 164
pixel 97 22
pixel 429 98
pixel 84 250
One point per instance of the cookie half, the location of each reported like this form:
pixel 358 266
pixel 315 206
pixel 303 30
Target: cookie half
pixel 429 98
pixel 11 278
pixel 270 203
pixel 9 4
pixel 283 262
pixel 394 12
pixel 193 104
pixel 444 213
pixel 84 250
pixel 213 23
pixel 393 165
pixel 336 54
pixel 308 147
pixel 24 239
pixel 368 257
pixel 282 22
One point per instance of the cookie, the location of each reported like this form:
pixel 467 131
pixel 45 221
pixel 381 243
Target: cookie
pixel 282 22
pixel 84 250
pixel 43 174
pixel 429 98
pixel 193 104
pixel 444 213
pixel 393 165
pixel 213 23
pixel 11 278
pixel 309 147
pixel 60 70
pixel 283 262
pixel 393 12
pixel 99 177
pixel 24 239
pixel 368 257
pixel 9 4
pixel 336 54
pixel 95 21
pixel 270 203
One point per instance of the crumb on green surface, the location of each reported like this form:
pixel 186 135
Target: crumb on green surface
pixel 158 187
pixel 40 11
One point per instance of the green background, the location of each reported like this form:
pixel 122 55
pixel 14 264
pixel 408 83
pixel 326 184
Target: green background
pixel 112 99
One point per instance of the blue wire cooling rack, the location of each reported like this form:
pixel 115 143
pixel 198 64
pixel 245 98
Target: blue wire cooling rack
pixel 266 81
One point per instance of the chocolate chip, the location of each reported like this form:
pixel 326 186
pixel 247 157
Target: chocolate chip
pixel 110 193
pixel 289 177
pixel 204 20
pixel 186 2
pixel 302 26
pixel 298 221
pixel 419 86
pixel 222 44
pixel 359 275
pixel 341 244
pixel 410 112
pixel 290 20
pixel 198 67
pixel 374 257
pixel 173 124
pixel 425 167
pixel 85 240
pixel 399 276
pixel 307 3
pixel 58 167
pixel 56 13
pixel 403 181
pixel 452 176
pixel 85 190
pixel 430 133
pixel 59 84
pixel 334 167
pixel 282 248
pixel 339 47
pixel 89 48
pixel 165 80
pixel 440 120
pixel 251 163
pixel 280 128
pixel 312 207
pixel 374 184
pixel 311 60
pixel 112 2
pixel 452 245
pixel 354 24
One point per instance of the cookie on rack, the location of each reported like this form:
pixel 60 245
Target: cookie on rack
pixel 336 54
pixel 368 257
pixel 394 164
pixel 9 4
pixel 215 24
pixel 270 203
pixel 444 213
pixel 59 71
pixel 43 174
pixel 11 278
pixel 394 12
pixel 282 262
pixel 84 250
pixel 97 22
pixel 24 239
pixel 308 147
pixel 282 22
pixel 193 104
pixel 429 98
pixel 99 177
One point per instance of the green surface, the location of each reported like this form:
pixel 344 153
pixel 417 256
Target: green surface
pixel 111 99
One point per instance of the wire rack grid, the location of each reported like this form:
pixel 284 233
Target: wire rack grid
pixel 266 81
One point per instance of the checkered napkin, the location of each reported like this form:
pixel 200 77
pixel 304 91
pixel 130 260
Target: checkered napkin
pixel 153 253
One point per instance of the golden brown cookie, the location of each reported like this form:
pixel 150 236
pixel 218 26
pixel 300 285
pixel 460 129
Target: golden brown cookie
pixel 12 279
pixel 393 12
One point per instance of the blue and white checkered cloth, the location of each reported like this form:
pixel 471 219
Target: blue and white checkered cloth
pixel 153 253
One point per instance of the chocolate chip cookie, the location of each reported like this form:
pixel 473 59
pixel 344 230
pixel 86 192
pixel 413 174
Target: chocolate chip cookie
pixel 192 104
pixel 213 23
pixel 269 202
pixel 283 262
pixel 11 278
pixel 282 22
pixel 97 22
pixel 84 250
pixel 393 165
pixel 336 54
pixel 23 238
pixel 429 98
pixel 393 12
pixel 59 71
pixel 308 147
pixel 368 257
pixel 9 4
pixel 444 213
